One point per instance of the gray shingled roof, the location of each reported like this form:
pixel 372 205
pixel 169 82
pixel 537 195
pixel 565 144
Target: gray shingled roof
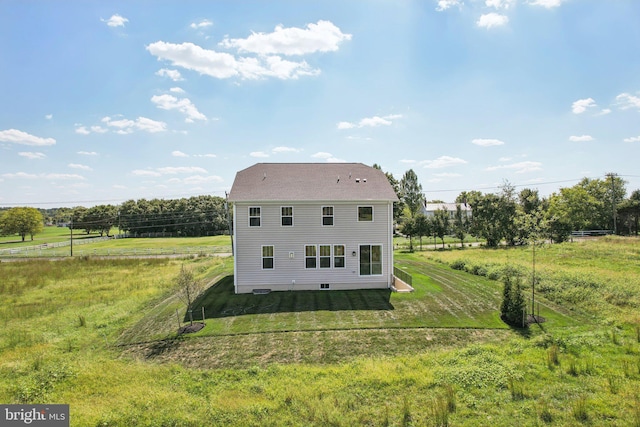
pixel 310 182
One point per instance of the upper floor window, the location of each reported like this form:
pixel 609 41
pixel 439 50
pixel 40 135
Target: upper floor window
pixel 286 215
pixel 365 213
pixel 254 217
pixel 267 257
pixel 327 215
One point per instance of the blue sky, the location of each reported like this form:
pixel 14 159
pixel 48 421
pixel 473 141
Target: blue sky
pixel 108 101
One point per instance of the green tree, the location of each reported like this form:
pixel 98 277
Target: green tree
pixel 408 229
pixel 460 224
pixel 188 289
pixel 421 226
pixel 441 223
pixel 22 221
pixel 398 207
pixel 513 306
pixel 629 212
pixel 411 192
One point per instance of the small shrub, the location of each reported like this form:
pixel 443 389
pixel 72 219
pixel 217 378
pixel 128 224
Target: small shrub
pixel 615 338
pixel 440 412
pixel 516 389
pixel 450 397
pixel 579 410
pixel 573 368
pixel 458 264
pixel 637 329
pixel 553 358
pixel 614 383
pixel 406 412
pixel 82 322
pixel 545 413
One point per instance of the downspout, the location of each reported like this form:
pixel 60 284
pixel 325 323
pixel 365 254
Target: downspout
pixel 390 231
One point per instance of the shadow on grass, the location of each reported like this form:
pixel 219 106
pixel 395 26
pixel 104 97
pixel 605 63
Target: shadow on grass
pixel 220 301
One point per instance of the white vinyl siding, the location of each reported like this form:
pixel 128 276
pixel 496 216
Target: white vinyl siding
pixel 290 270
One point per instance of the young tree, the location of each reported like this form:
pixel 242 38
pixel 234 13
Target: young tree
pixel 411 191
pixel 21 221
pixel 188 289
pixel 441 223
pixel 460 224
pixel 408 229
pixel 512 306
pixel 421 226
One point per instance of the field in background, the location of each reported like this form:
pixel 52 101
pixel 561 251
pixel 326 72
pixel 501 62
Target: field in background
pixel 101 336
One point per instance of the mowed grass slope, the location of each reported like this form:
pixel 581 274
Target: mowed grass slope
pixel 73 333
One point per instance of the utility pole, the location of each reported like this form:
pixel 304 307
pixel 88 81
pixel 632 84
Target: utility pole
pixel 613 200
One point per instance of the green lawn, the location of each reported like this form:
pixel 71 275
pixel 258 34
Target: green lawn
pixel 101 336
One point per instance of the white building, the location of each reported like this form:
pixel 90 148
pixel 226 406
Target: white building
pixel 309 226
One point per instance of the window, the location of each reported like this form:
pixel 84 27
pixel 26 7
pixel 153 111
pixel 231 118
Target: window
pixel 324 286
pixel 310 256
pixel 365 213
pixel 325 256
pixel 338 256
pixel 286 215
pixel 254 217
pixel 370 260
pixel 267 257
pixel 327 215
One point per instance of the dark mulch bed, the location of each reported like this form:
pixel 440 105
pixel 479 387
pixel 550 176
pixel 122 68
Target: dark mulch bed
pixel 188 329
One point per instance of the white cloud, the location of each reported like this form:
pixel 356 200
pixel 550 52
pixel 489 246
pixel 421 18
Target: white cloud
pixel 98 129
pixel 286 150
pixel 223 65
pixel 446 4
pixel 521 167
pixel 172 74
pixel 176 90
pixel 184 105
pixel 82 130
pixel 487 142
pixel 87 153
pixel 323 36
pixel 115 21
pixel 626 101
pixel 443 162
pixel 581 105
pixel 49 116
pixel 328 157
pixel 140 172
pixel 374 121
pixel 32 155
pixel 22 175
pixel 126 126
pixel 259 154
pixel 205 155
pixel 65 176
pixel 500 4
pixel 604 112
pixel 447 175
pixel 180 169
pixel 199 179
pixel 546 3
pixel 79 166
pixel 46 176
pixel 202 24
pixel 582 138
pixel 490 20
pixel 632 139
pixel 179 154
pixel 18 137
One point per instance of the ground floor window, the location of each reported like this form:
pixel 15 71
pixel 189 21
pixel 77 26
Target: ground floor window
pixel 338 256
pixel 310 256
pixel 325 256
pixel 267 257
pixel 370 260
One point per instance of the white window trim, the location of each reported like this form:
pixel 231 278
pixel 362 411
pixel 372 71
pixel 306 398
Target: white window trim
pixel 305 257
pixel 372 213
pixel 322 215
pixel 381 259
pixel 249 216
pixel 330 256
pixel 286 216
pixel 333 255
pixel 262 257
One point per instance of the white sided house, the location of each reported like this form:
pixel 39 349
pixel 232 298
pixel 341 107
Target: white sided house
pixel 310 226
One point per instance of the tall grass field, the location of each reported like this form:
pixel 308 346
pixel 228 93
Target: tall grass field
pixel 101 336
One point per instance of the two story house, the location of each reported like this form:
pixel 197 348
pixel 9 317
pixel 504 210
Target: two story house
pixel 309 226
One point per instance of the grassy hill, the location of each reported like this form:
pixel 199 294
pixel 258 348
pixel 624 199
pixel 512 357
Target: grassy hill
pixel 101 336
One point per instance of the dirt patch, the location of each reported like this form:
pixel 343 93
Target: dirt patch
pixel 191 328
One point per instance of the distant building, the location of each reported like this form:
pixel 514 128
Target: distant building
pixel 308 226
pixel 429 209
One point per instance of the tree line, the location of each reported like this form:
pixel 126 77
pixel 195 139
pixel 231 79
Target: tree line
pixel 519 217
pixel 185 217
